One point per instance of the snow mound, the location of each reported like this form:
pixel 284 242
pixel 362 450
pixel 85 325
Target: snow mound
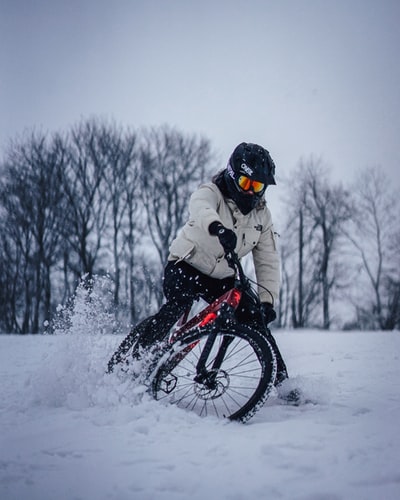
pixel 309 390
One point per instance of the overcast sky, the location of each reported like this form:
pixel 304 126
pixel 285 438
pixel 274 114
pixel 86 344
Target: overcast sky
pixel 300 77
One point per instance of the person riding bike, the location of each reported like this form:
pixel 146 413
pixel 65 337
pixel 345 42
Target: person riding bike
pixel 227 214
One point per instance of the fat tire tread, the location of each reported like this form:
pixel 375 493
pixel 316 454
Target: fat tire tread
pixel 258 342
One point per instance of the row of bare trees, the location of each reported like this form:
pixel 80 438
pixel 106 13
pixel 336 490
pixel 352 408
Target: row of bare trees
pixel 89 202
pixel 105 200
pixel 340 250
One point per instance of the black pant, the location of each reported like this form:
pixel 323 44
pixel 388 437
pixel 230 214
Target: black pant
pixel 182 285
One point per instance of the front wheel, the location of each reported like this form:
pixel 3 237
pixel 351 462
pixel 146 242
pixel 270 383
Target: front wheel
pixel 239 372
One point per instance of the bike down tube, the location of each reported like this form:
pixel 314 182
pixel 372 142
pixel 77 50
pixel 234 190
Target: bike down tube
pixel 231 297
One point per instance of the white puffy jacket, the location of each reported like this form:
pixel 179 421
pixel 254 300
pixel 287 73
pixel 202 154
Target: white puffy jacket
pixel 254 232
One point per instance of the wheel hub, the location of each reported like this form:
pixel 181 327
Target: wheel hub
pixel 211 385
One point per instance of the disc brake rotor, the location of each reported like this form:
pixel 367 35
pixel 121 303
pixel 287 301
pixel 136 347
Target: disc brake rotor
pixel 213 386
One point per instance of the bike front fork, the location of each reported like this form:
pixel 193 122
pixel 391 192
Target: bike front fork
pixel 225 315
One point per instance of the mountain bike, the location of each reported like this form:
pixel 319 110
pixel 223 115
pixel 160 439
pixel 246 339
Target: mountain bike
pixel 213 365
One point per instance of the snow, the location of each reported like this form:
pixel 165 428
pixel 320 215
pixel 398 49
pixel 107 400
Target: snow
pixel 71 432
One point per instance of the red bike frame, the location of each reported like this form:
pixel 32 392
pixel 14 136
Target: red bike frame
pixel 208 314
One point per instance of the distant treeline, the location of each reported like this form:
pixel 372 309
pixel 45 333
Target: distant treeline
pixel 102 199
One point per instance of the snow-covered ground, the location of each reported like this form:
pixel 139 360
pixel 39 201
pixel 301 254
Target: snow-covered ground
pixel 70 432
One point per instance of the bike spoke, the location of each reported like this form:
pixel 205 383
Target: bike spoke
pixel 231 378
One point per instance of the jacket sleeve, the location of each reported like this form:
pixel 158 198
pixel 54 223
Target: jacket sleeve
pixel 267 263
pixel 203 207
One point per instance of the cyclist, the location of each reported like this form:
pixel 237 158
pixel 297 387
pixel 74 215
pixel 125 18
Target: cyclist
pixel 229 213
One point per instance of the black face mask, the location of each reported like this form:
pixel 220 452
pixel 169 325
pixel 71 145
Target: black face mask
pixel 245 202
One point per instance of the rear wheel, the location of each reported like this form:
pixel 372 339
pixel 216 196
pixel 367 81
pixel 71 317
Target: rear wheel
pixel 238 376
pixel 124 352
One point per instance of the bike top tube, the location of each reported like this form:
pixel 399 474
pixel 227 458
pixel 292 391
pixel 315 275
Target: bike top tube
pixel 231 297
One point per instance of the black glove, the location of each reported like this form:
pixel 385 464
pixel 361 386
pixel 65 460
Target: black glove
pixel 226 236
pixel 268 312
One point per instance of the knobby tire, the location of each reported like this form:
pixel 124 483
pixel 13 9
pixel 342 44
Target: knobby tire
pixel 241 384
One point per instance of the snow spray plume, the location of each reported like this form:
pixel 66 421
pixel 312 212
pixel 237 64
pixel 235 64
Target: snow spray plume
pixel 90 311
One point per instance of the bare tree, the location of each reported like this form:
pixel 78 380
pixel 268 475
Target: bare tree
pixel 33 201
pixel 11 279
pixel 172 166
pixel 392 280
pixel 317 212
pixel 91 202
pixel 374 233
pixel 88 199
pixel 133 230
pixel 299 261
pixel 119 152
pixel 328 209
pixel 300 291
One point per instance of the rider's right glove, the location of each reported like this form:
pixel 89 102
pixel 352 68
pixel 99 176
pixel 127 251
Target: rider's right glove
pixel 226 236
pixel 268 312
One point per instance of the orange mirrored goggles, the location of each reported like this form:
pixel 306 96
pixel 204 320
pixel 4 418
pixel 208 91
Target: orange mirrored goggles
pixel 246 184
